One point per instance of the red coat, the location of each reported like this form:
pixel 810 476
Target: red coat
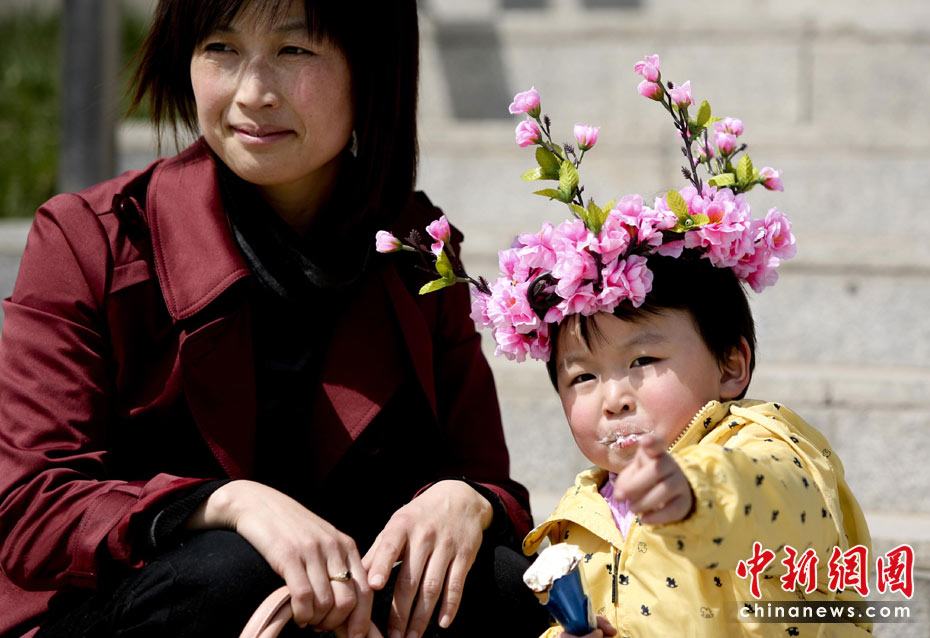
pixel 110 325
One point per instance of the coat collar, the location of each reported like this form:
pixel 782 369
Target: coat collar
pixel 194 252
pixel 581 505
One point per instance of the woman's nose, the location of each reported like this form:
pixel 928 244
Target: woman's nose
pixel 257 87
pixel 617 398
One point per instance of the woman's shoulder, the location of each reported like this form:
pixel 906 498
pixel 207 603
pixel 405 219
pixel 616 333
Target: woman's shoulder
pixel 105 196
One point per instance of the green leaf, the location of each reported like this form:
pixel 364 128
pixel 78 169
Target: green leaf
pixel 568 178
pixel 532 175
pixel 677 204
pixel 436 284
pixel 744 170
pixel 703 116
pixel 444 267
pixel 596 215
pixel 724 179
pixel 552 193
pixel 548 163
pixel 581 212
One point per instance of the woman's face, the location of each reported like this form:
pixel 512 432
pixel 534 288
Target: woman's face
pixel 273 104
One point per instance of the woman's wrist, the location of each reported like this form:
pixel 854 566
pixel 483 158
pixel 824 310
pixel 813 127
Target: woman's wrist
pixel 482 506
pixel 217 511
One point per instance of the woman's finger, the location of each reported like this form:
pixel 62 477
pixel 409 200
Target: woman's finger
pixel 323 595
pixel 341 583
pixel 359 622
pixel 302 599
pixel 455 588
pixel 407 584
pixel 386 550
pixel 344 601
pixel 431 588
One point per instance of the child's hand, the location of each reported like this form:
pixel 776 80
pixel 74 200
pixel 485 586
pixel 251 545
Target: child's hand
pixel 604 628
pixel 654 484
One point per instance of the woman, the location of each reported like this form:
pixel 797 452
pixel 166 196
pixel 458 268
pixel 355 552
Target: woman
pixel 208 384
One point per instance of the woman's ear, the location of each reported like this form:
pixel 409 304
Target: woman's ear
pixel 735 371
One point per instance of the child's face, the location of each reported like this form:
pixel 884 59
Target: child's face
pixel 648 375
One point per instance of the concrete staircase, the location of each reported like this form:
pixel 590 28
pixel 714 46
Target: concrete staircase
pixel 832 93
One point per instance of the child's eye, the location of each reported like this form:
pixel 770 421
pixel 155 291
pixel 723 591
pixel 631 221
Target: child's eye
pixel 581 378
pixel 642 361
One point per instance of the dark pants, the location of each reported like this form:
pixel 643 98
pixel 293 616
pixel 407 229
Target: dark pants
pixel 210 585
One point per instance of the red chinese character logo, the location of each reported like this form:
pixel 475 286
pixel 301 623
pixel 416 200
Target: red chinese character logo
pixel 850 569
pixel 754 566
pixel 801 572
pixel 898 573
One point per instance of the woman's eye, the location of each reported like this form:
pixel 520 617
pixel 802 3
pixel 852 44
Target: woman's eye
pixel 296 51
pixel 581 378
pixel 642 361
pixel 217 47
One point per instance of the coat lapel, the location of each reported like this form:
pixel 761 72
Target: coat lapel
pixel 364 367
pixel 196 261
pixel 218 376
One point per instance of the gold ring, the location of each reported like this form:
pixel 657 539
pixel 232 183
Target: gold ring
pixel 342 577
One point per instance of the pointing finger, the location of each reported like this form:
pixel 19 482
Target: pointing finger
pixel 652 445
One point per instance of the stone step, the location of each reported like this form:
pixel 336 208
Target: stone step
pixel 825 70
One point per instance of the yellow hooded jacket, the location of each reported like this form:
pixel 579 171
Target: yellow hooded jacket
pixel 759 473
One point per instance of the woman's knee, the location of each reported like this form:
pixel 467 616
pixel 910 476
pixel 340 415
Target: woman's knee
pixel 208 585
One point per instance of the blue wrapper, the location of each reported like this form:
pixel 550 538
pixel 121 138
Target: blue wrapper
pixel 570 606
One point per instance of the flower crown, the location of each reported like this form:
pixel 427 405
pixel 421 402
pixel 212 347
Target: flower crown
pixel 598 259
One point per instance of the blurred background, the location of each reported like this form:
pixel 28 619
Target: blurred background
pixel 833 93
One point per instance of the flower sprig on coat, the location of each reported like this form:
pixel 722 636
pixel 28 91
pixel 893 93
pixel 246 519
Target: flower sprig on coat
pixel 598 258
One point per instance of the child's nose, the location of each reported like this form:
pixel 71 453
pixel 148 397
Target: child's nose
pixel 617 398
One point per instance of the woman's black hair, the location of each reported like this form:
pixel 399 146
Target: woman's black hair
pixel 714 297
pixel 381 43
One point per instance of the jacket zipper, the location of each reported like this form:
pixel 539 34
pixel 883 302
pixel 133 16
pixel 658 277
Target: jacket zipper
pixel 697 417
pixel 614 593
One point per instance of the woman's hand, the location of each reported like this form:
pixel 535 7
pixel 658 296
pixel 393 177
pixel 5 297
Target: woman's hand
pixel 654 484
pixel 437 535
pixel 306 551
pixel 604 628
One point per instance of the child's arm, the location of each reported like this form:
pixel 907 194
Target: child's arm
pixel 711 502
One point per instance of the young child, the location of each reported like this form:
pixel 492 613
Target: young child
pixel 698 500
pixel 686 475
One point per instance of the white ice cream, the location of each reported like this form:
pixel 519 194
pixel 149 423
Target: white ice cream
pixel 553 563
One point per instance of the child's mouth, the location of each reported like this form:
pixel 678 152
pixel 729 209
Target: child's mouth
pixel 621 441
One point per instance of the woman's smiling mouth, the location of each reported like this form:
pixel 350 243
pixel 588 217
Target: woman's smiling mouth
pixel 260 135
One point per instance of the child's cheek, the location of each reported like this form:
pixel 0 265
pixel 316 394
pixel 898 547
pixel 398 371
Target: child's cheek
pixel 583 420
